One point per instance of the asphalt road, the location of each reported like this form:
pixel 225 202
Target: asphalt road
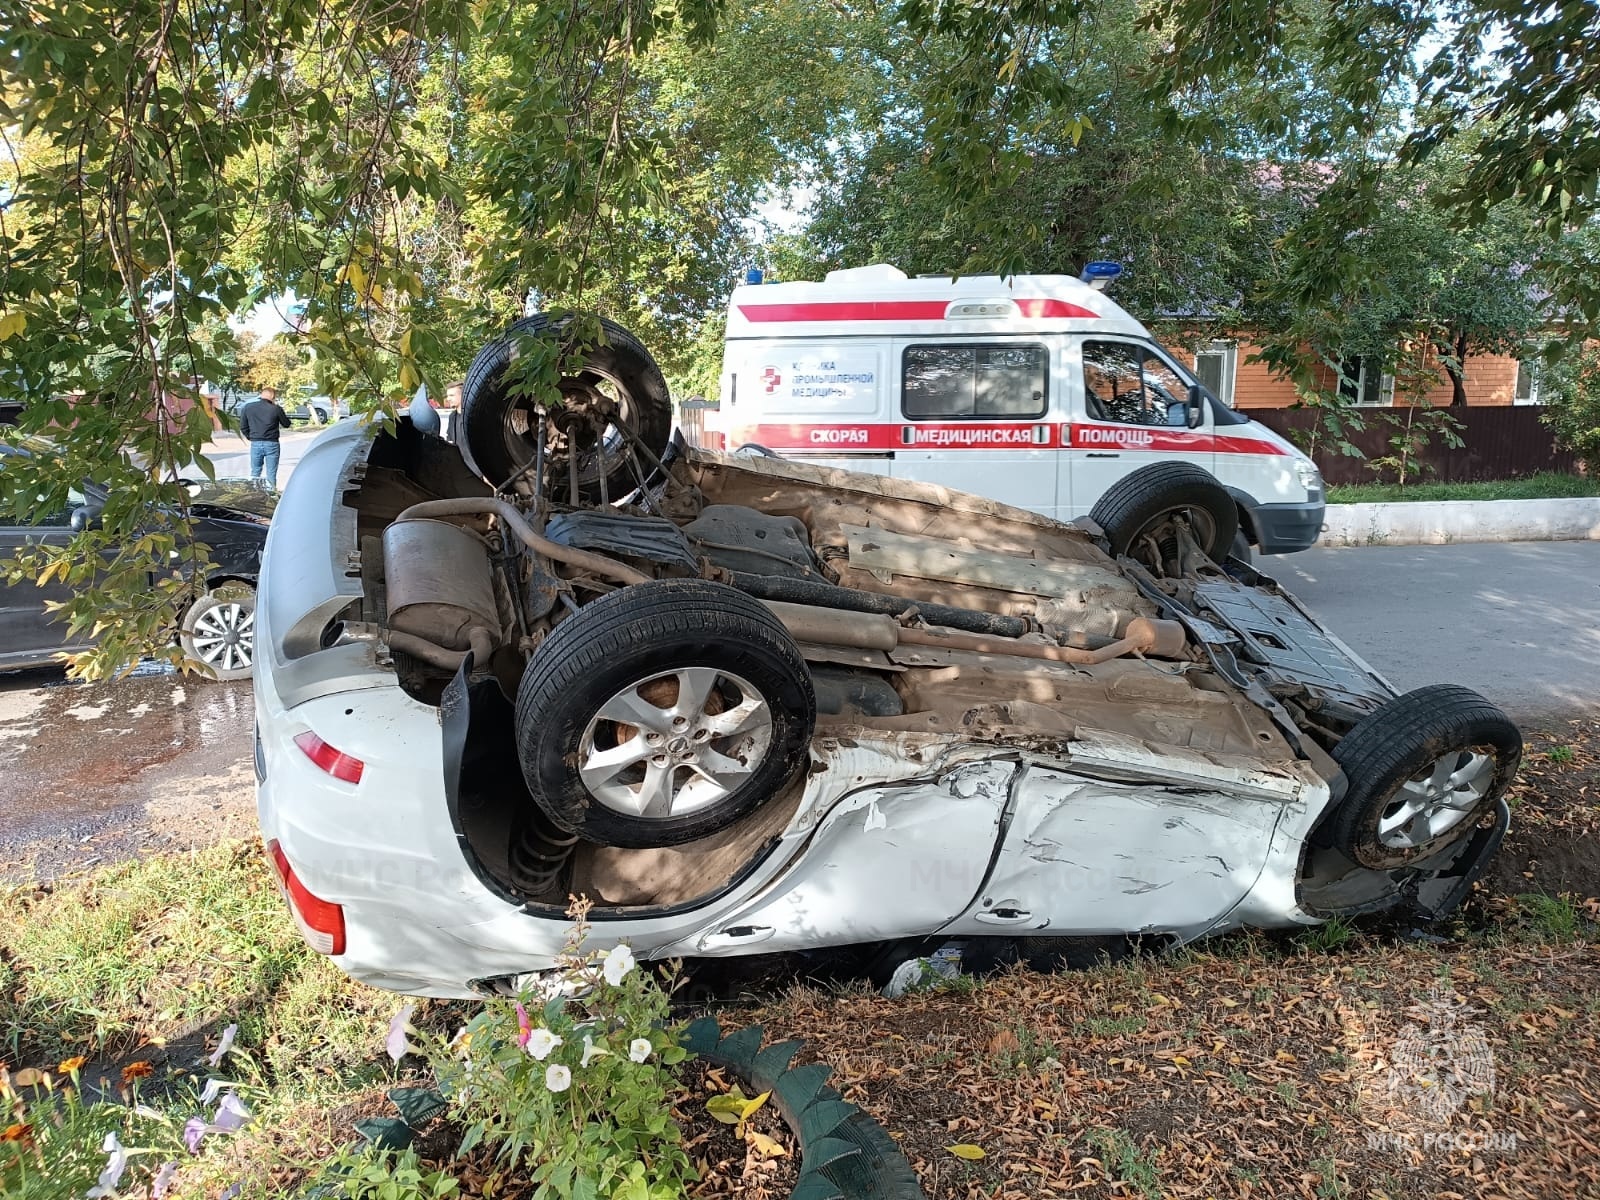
pixel 230 453
pixel 1517 621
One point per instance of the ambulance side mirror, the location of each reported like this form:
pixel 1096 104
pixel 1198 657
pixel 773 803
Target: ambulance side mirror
pixel 1196 406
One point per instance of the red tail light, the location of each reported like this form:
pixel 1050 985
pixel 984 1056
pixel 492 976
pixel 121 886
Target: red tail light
pixel 321 922
pixel 335 762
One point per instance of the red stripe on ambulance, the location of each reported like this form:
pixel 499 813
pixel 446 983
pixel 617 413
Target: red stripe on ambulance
pixel 993 435
pixel 949 435
pixel 1046 309
pixel 1155 438
pixel 866 310
pixel 1037 309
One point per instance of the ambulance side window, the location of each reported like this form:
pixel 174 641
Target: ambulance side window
pixel 944 383
pixel 1131 384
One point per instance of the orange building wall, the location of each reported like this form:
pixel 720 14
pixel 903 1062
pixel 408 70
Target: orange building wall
pixel 1489 378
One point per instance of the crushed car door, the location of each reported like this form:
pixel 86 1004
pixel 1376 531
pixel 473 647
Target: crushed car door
pixel 886 862
pixel 1086 855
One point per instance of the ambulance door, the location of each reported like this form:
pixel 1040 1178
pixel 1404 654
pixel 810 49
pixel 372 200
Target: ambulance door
pixel 975 416
pixel 1130 409
pixel 820 401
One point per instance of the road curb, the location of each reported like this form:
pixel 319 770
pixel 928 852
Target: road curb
pixel 1441 522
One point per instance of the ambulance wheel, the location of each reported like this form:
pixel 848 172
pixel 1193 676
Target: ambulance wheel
pixel 1150 515
pixel 663 712
pixel 615 395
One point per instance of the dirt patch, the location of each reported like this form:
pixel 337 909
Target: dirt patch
pixel 728 1166
pixel 1553 845
pixel 1245 1076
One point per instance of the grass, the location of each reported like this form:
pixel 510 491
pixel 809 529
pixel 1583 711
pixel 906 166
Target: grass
pixel 149 960
pixel 1560 755
pixel 1126 1162
pixel 1553 918
pixel 170 949
pixel 1546 485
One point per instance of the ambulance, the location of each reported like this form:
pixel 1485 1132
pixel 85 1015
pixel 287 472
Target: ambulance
pixel 1036 390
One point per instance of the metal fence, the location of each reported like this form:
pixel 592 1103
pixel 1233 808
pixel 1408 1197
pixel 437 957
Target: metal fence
pixel 692 419
pixel 1501 442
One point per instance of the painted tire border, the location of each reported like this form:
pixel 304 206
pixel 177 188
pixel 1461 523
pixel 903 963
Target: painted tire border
pixel 844 1153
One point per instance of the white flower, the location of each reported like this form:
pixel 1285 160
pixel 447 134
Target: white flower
pixel 163 1180
pixel 618 963
pixel 211 1091
pixel 639 1049
pixel 226 1044
pixel 541 1042
pixel 396 1043
pixel 557 1077
pixel 116 1164
pixel 590 1050
pixel 231 1114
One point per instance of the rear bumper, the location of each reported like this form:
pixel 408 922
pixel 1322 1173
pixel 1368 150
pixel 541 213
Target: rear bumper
pixel 1286 528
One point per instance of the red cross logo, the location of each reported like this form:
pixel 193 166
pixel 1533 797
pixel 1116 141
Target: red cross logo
pixel 772 379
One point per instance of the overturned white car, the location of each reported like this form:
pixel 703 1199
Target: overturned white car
pixel 747 705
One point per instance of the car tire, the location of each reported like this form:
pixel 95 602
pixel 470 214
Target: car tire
pixel 1136 509
pixel 497 429
pixel 218 632
pixel 1423 770
pixel 605 751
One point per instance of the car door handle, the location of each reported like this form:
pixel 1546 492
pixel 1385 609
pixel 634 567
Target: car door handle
pixel 1002 915
pixel 1101 454
pixel 736 935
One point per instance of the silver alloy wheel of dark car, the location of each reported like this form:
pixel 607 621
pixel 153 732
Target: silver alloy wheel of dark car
pixel 218 633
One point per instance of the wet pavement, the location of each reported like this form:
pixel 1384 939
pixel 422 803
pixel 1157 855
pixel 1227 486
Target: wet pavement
pixel 95 773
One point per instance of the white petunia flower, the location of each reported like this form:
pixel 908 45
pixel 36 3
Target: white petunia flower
pixel 590 1050
pixel 541 1042
pixel 116 1164
pixel 557 1077
pixel 225 1045
pixel 395 1043
pixel 639 1049
pixel 619 961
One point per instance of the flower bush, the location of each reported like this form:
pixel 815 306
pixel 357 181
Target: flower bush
pixel 574 1091
pixel 55 1145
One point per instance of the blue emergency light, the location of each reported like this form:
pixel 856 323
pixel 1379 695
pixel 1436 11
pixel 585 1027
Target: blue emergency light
pixel 1098 274
pixel 753 275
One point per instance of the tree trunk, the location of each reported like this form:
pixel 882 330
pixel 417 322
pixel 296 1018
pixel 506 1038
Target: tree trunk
pixel 1456 368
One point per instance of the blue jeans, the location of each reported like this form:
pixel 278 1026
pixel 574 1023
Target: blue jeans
pixel 264 455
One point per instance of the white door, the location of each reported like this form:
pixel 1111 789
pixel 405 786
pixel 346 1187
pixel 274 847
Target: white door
pixel 1129 409
pixel 975 416
pixel 1093 856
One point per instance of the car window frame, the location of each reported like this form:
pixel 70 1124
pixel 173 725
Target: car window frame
pixel 1147 348
pixel 1042 348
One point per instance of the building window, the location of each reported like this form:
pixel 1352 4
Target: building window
pixel 1215 367
pixel 1527 383
pixel 1363 381
pixel 943 383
